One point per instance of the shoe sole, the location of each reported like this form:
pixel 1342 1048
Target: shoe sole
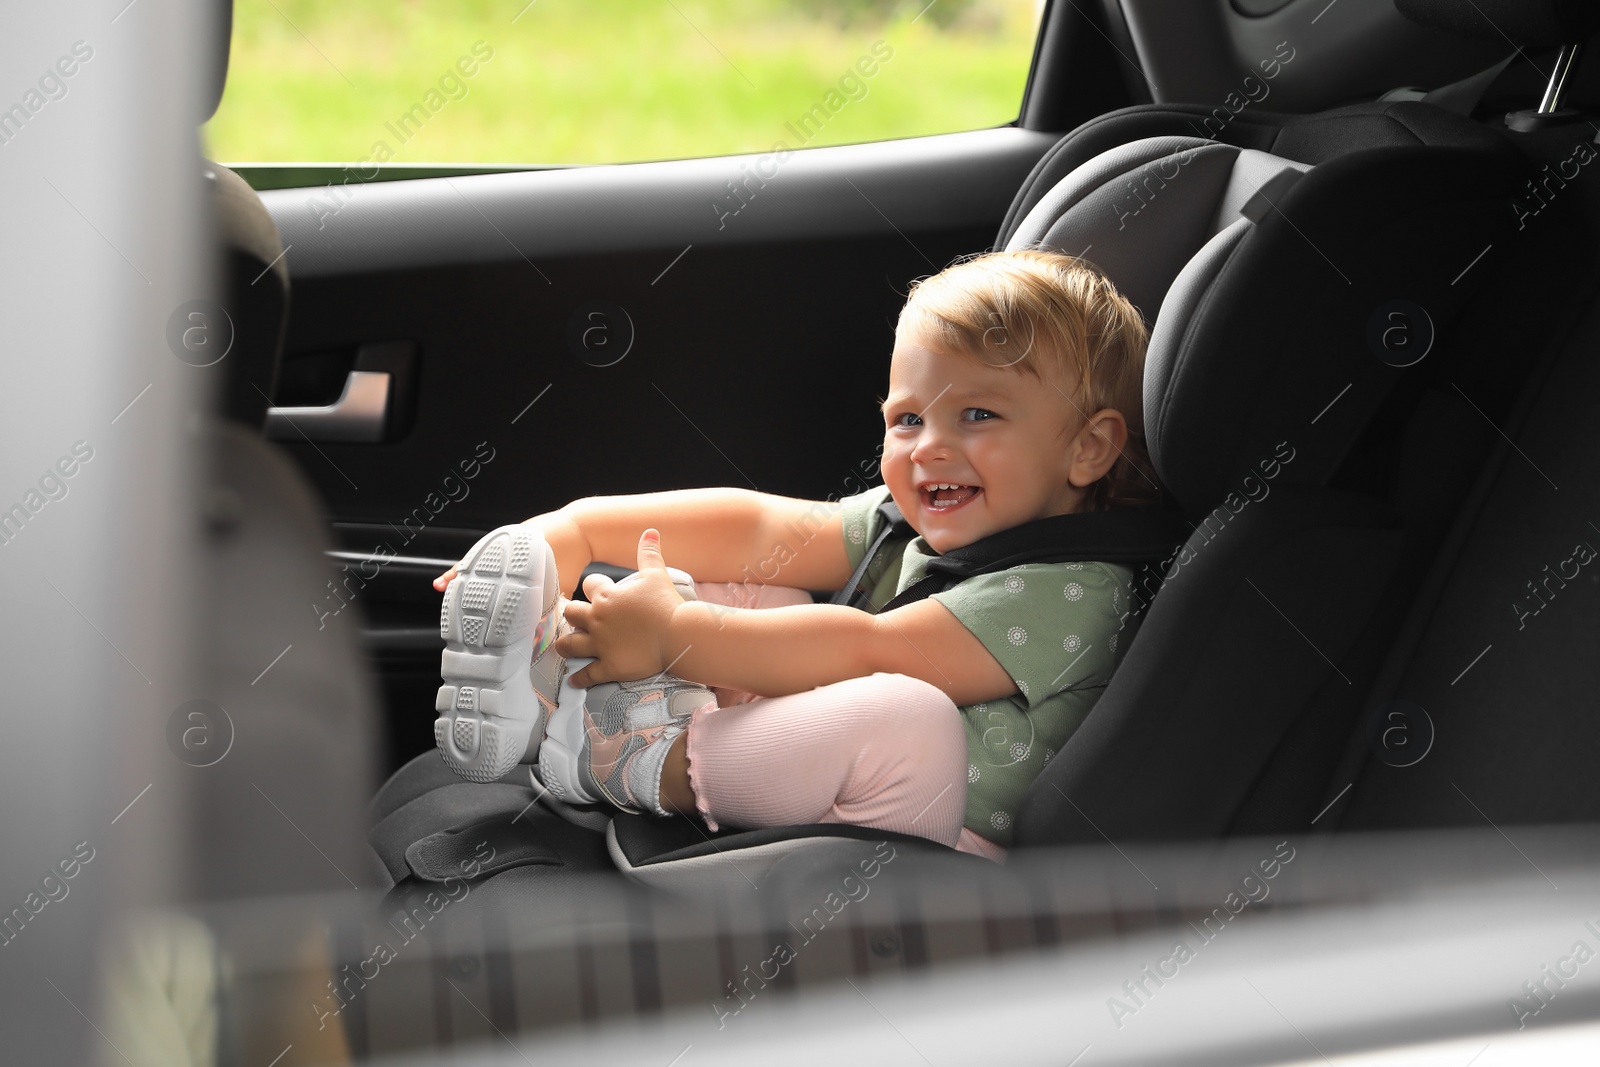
pixel 487 708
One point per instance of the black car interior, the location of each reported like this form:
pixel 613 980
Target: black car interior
pixel 1369 389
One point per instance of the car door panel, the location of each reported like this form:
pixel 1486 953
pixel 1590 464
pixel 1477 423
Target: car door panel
pixel 759 338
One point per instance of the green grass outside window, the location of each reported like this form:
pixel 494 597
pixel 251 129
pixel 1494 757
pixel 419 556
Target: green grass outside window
pixel 607 81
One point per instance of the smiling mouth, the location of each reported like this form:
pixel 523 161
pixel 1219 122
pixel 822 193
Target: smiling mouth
pixel 941 497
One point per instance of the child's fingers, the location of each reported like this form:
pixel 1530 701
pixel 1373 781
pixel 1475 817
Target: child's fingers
pixel 585 678
pixel 577 613
pixel 575 645
pixel 650 551
pixel 444 579
pixel 594 583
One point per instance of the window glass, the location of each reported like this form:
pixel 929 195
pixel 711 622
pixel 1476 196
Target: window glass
pixel 605 81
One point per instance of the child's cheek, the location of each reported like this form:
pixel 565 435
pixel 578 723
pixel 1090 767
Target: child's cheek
pixel 896 467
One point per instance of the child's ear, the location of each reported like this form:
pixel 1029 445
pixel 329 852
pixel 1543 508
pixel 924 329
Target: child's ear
pixel 1099 443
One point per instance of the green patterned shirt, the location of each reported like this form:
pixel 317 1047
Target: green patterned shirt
pixel 1054 628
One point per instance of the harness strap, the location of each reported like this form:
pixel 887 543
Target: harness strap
pixel 852 594
pixel 1139 537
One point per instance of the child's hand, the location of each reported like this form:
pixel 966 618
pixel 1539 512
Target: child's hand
pixel 624 625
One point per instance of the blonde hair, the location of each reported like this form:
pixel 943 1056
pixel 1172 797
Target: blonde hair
pixel 1032 310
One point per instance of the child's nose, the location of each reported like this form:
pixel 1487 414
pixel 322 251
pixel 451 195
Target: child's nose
pixel 931 444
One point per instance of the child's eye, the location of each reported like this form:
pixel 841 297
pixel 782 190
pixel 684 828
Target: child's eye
pixel 979 414
pixel 906 418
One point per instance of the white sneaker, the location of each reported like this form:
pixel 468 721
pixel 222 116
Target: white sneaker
pixel 595 741
pixel 498 613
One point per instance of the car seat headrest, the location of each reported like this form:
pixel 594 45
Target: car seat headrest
pixel 216 63
pixel 255 294
pixel 1528 23
pixel 1117 210
pixel 1160 215
pixel 255 277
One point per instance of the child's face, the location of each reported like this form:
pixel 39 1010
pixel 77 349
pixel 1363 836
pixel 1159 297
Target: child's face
pixel 1008 440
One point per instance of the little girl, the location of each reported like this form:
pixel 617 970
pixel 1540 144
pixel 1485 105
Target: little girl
pixel 1014 395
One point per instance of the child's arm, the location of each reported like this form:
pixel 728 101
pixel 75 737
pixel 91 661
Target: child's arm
pixel 718 535
pixel 643 627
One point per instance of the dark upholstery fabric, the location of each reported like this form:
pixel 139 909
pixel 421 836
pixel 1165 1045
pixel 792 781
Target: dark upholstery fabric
pixel 1312 139
pixel 1530 23
pixel 1235 642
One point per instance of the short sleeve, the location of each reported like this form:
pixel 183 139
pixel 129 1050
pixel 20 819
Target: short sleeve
pixel 1053 626
pixel 862 522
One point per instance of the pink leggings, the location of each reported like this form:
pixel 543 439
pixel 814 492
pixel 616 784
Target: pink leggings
pixel 887 751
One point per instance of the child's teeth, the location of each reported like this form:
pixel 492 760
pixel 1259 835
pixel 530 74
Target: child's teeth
pixel 936 488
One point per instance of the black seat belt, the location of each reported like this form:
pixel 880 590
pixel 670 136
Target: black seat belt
pixel 895 525
pixel 1138 537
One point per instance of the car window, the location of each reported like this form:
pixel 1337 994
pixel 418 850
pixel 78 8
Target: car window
pixel 606 81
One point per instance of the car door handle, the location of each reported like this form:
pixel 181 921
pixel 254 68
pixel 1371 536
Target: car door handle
pixel 357 416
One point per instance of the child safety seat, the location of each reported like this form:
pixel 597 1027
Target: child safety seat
pixel 1358 350
pixel 1295 270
